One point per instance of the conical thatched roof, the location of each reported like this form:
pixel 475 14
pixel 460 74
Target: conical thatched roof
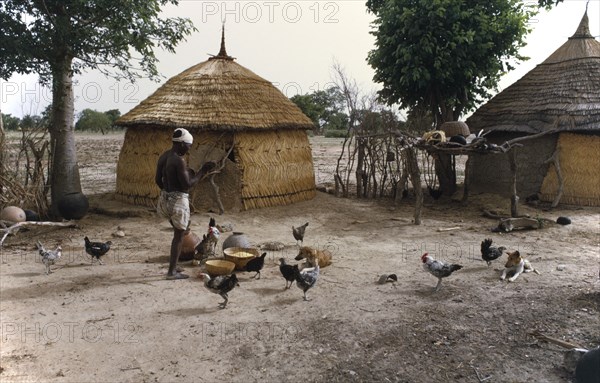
pixel 564 88
pixel 218 94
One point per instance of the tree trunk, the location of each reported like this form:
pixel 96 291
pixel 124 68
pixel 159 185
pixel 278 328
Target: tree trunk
pixel 360 171
pixel 445 173
pixel 467 182
pixel 2 154
pixel 65 169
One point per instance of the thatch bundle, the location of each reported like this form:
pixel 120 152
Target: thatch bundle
pixel 579 163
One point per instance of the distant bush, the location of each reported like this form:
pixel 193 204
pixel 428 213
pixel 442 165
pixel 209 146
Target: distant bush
pixel 337 133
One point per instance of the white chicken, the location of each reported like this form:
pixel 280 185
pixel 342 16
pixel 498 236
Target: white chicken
pixel 438 269
pixel 49 257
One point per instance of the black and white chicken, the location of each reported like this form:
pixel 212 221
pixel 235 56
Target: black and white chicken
pixel 209 241
pixel 49 257
pixel 96 249
pixel 256 265
pixel 306 278
pixel 221 285
pixel 298 233
pixel 288 272
pixel 489 252
pixel 438 269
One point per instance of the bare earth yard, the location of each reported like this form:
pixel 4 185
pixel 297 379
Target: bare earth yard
pixel 123 322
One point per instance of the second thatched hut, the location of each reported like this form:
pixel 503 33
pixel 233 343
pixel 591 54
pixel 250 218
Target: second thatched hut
pixel 223 105
pixel 562 95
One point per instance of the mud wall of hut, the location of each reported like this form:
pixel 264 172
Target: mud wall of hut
pixel 491 172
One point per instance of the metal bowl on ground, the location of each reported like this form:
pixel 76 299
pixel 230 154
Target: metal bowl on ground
pixel 240 255
pixel 219 267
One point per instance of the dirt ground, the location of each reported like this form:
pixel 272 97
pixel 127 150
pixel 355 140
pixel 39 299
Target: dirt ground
pixel 123 322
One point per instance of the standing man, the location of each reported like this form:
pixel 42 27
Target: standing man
pixel 174 179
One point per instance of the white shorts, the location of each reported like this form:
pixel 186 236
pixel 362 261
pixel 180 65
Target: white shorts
pixel 175 206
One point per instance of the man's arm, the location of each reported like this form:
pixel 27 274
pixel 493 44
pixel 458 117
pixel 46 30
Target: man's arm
pixel 158 178
pixel 187 178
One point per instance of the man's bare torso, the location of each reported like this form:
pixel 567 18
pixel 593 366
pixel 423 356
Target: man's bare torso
pixel 172 166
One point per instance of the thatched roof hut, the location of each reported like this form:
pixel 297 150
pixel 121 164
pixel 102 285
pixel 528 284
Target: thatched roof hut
pixel 222 104
pixel 561 93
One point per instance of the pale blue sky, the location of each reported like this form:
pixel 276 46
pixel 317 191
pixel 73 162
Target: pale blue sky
pixel 290 43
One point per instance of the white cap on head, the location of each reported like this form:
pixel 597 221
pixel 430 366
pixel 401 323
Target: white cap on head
pixel 182 135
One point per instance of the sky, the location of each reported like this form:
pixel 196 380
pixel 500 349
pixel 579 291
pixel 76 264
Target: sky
pixel 293 44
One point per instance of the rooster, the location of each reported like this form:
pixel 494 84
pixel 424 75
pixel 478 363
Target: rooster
pixel 96 249
pixel 489 252
pixel 256 265
pixel 221 285
pixel 438 269
pixel 209 240
pixel 288 272
pixel 49 257
pixel 298 233
pixel 306 278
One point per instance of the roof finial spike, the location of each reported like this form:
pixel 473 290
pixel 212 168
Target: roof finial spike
pixel 223 52
pixel 583 30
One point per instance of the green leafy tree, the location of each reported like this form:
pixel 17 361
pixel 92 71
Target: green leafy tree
pixel 29 122
pixel 9 122
pixel 114 115
pixel 325 108
pixel 309 107
pixel 93 121
pixel 58 39
pixel 445 55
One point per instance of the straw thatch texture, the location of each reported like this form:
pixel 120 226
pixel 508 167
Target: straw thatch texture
pixel 277 168
pixel 579 163
pixel 137 165
pixel 566 84
pixel 218 95
pixel 267 168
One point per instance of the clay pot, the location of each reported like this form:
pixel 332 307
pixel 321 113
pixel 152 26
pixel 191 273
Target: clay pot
pixel 188 249
pixel 236 239
pixel 13 214
pixel 73 205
